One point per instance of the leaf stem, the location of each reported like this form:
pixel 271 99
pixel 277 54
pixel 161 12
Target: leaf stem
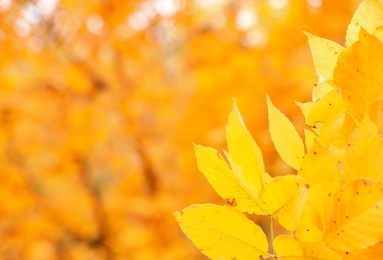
pixel 272 236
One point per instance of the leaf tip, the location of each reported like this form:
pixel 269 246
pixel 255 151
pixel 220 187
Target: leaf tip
pixel 234 102
pixel 309 35
pixel 177 214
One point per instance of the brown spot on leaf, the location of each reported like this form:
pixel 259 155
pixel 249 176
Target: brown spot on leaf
pixel 231 202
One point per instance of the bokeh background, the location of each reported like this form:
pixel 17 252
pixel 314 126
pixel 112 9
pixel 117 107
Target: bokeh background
pixel 101 101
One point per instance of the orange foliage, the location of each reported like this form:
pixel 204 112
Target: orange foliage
pixel 100 102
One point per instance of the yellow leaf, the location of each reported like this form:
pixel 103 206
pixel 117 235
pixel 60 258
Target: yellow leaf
pixel 319 169
pixel 286 139
pixel 359 74
pixel 230 186
pixel 364 153
pixel 327 116
pixel 368 16
pixel 310 227
pixel 222 232
pixel 290 248
pixel 244 151
pixel 284 199
pixel 325 55
pixel 356 219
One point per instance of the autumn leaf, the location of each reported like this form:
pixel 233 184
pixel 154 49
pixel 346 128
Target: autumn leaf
pixel 245 154
pixel 222 232
pixel 290 248
pixel 310 226
pixel 358 74
pixel 355 221
pixel 320 170
pixel 364 153
pixel 325 55
pixel 369 16
pixel 327 116
pixel 286 139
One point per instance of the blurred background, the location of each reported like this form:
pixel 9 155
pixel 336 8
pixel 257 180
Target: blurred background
pixel 101 100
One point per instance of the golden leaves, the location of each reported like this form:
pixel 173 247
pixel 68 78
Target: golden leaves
pixel 282 198
pixel 334 205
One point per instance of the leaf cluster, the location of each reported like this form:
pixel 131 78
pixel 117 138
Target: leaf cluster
pixel 333 206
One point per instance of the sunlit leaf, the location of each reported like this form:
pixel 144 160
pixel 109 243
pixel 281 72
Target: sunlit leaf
pixel 359 76
pixel 284 199
pixel 369 16
pixel 356 220
pixel 286 139
pixel 364 153
pixel 310 227
pixel 244 151
pixel 327 116
pixel 222 232
pixel 290 248
pixel 325 55
pixel 230 186
pixel 320 170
